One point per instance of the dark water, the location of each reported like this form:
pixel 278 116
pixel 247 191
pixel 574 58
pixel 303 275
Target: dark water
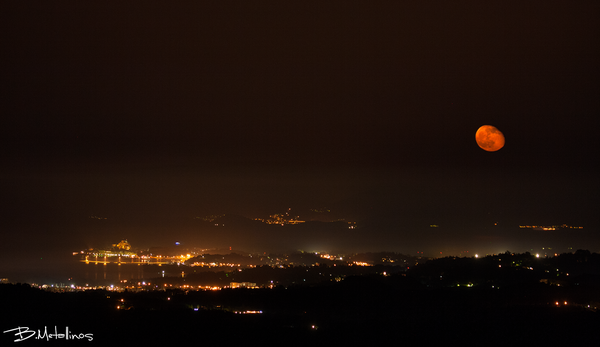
pixel 70 270
pixel 101 274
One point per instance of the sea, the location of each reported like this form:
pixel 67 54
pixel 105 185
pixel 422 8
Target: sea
pixel 67 270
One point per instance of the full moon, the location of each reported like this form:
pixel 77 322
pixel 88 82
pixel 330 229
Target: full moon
pixel 489 138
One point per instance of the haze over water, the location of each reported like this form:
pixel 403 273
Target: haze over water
pixel 60 266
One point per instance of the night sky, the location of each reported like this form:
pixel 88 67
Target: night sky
pixel 152 115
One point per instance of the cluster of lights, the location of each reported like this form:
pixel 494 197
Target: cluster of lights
pixel 329 256
pixel 186 286
pixel 243 285
pixel 213 264
pixel 211 218
pixel 361 263
pixel 120 288
pixel 281 219
pixel 143 259
pixel 551 227
pixel 248 312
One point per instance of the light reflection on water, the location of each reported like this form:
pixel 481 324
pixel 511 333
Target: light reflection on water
pixel 70 270
pixel 113 273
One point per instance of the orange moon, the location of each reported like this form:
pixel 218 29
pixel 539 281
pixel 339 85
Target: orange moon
pixel 489 138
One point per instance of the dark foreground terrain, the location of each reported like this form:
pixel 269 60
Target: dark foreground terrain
pixel 449 300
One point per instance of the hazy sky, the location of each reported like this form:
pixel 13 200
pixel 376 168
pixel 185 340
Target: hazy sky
pixel 151 115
